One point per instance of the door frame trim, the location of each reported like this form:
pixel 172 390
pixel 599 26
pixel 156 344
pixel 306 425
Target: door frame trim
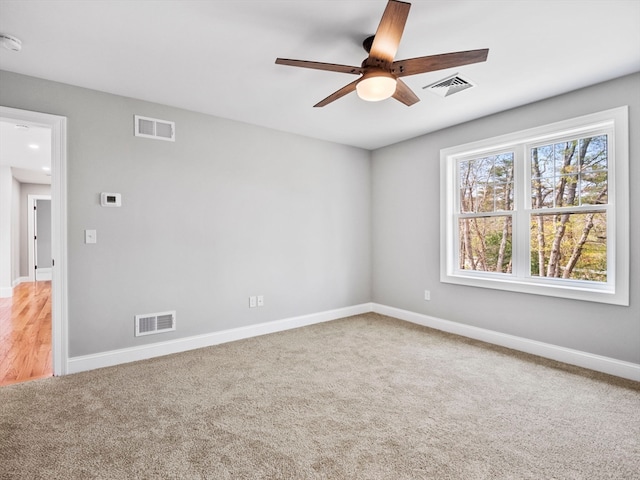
pixel 59 285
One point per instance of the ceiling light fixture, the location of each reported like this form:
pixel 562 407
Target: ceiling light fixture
pixel 375 85
pixel 10 43
pixel 46 169
pixel 33 146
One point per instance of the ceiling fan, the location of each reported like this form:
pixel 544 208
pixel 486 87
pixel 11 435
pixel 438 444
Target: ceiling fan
pixel 380 73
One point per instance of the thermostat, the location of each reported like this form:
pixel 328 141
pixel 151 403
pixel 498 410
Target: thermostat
pixel 110 199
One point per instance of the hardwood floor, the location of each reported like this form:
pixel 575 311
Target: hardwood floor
pixel 25 333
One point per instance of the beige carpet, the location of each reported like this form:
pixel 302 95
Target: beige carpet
pixel 366 397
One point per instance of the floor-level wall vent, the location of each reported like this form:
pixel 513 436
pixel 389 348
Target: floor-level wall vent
pixel 151 323
pixel 154 128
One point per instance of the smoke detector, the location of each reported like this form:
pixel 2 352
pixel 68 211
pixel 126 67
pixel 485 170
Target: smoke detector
pixel 10 43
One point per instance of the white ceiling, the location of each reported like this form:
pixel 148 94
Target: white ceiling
pixel 217 57
pixel 26 148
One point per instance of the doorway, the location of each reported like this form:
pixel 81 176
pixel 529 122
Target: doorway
pixel 39 236
pixel 57 260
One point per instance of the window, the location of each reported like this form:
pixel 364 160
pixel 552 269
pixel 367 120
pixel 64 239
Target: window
pixel 543 211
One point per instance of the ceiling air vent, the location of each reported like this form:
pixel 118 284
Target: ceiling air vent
pixel 450 85
pixel 155 128
pixel 151 323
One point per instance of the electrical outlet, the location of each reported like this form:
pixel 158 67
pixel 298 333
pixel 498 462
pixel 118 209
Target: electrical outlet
pixel 261 300
pixel 253 302
pixel 427 295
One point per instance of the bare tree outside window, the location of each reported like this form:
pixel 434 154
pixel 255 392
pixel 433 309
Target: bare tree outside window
pixel 569 244
pixel 486 190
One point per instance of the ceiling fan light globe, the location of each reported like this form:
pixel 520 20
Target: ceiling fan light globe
pixel 376 88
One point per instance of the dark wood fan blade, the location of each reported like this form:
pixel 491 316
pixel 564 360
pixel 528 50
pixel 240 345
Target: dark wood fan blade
pixel 431 63
pixel 331 67
pixel 339 94
pixel 387 38
pixel 404 94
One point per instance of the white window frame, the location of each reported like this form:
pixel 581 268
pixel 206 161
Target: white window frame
pixel 616 289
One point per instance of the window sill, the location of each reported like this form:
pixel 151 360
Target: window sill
pixel 572 290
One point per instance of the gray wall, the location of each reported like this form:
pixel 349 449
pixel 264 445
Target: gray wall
pixel 227 211
pixel 231 210
pixel 43 234
pixel 406 235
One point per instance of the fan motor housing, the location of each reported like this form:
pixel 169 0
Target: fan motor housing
pixel 367 42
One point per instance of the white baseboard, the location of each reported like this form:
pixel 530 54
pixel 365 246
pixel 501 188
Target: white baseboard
pixel 20 280
pixel 6 292
pixel 143 352
pixel 598 363
pixel 44 274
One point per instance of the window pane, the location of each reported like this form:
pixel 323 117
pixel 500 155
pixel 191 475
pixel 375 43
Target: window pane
pixel 485 244
pixel 545 172
pixel 503 195
pixel 486 184
pixel 571 245
pixel 566 167
pixel 594 153
pixel 593 169
pixel 542 192
pixel 570 173
pixel 468 184
pixel 502 170
pixel 565 158
pixel 566 191
pixel 542 161
pixel 593 189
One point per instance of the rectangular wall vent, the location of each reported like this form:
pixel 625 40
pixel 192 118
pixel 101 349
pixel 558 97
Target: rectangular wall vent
pixel 450 85
pixel 151 323
pixel 154 128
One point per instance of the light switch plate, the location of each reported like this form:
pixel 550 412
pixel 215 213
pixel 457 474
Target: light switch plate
pixel 90 236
